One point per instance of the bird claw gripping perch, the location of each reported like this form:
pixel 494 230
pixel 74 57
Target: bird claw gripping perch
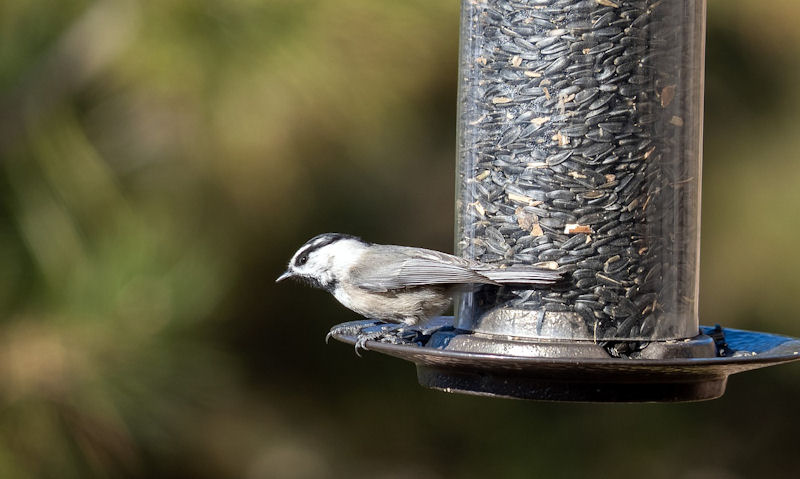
pixel 370 330
pixel 383 332
pixel 351 328
pixel 392 333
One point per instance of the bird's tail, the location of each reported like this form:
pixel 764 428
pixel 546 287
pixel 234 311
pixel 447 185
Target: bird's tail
pixel 523 275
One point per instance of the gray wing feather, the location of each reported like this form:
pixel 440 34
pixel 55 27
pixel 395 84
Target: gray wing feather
pixel 522 275
pixel 394 267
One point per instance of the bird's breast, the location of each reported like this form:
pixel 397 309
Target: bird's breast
pixel 407 305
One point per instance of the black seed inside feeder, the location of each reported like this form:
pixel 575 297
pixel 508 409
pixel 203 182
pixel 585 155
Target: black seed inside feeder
pixel 580 131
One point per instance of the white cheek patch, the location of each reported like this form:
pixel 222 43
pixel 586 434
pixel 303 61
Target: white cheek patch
pixel 343 255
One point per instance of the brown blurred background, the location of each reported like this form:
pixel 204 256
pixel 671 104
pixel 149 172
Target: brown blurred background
pixel 161 160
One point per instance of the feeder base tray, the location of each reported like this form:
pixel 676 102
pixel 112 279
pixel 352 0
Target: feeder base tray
pixel 446 359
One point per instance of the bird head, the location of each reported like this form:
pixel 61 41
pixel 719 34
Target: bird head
pixel 321 260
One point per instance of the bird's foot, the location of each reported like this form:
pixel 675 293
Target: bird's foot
pixel 374 330
pixel 351 328
pixel 392 333
pixel 383 332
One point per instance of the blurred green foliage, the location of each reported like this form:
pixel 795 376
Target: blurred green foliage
pixel 160 161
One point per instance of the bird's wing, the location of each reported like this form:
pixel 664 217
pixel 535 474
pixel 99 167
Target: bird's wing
pixel 521 275
pixel 385 269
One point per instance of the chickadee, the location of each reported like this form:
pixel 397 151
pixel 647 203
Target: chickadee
pixel 397 284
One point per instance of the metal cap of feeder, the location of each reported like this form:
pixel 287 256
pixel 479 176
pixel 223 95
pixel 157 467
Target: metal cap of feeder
pixel 579 150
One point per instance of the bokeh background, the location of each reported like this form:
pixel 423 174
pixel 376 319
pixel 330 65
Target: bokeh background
pixel 160 160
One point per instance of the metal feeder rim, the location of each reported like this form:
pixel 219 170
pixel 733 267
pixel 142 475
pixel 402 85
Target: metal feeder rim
pixel 405 351
pixel 755 359
pixel 591 379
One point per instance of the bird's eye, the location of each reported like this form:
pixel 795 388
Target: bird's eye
pixel 302 260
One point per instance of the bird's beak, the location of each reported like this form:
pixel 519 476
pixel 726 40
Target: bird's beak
pixel 287 274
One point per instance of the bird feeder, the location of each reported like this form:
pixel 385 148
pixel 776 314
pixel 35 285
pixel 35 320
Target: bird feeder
pixel 579 150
